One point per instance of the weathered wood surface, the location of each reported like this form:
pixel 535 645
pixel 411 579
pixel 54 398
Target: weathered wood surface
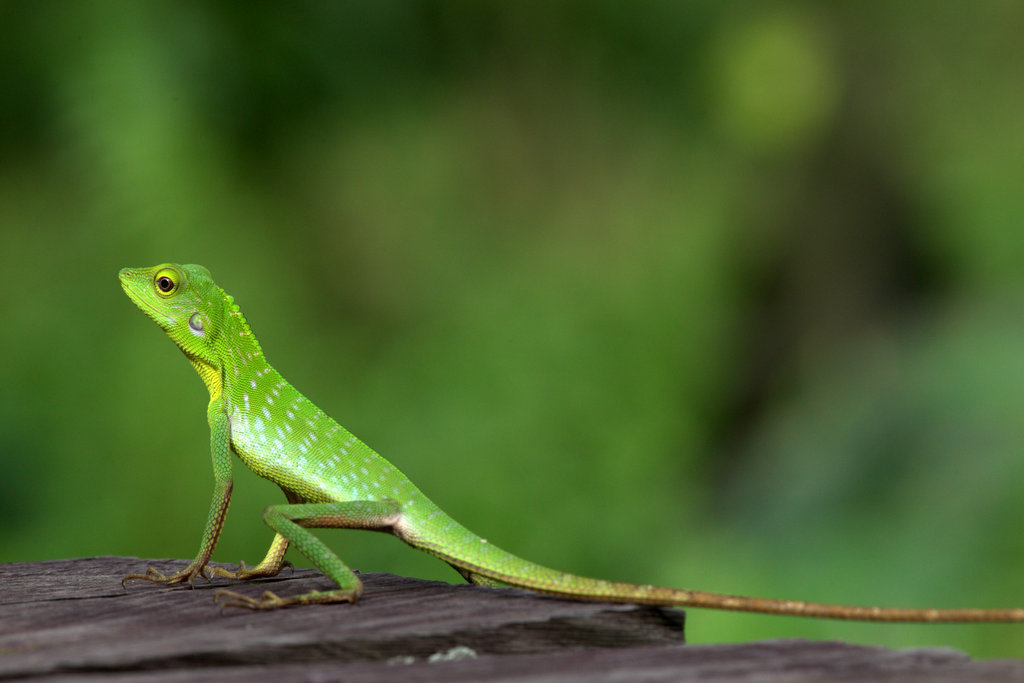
pixel 71 618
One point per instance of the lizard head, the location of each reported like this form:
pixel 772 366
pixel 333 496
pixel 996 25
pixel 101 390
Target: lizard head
pixel 185 302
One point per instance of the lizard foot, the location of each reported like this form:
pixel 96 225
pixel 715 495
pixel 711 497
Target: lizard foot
pixel 270 600
pixel 187 574
pixel 244 572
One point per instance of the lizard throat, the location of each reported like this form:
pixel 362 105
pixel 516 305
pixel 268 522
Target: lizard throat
pixel 210 376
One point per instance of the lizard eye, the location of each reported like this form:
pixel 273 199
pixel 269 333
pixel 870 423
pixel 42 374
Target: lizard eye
pixel 166 282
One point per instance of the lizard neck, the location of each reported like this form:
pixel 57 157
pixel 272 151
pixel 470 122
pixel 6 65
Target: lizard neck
pixel 238 353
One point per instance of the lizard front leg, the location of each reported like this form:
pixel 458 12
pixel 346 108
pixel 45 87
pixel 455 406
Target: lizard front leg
pixel 291 523
pixel 220 449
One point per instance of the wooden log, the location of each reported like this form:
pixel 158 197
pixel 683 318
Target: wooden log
pixel 72 618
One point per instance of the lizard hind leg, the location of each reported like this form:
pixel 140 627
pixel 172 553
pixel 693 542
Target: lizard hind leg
pixel 477 579
pixel 292 523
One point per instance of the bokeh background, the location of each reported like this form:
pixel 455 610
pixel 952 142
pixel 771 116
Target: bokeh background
pixel 717 295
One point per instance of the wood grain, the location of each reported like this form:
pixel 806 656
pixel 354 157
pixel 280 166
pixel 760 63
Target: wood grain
pixel 71 618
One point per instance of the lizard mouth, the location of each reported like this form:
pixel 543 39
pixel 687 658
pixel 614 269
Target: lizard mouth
pixel 159 318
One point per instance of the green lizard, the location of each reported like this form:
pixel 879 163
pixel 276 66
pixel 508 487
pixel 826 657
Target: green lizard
pixel 331 479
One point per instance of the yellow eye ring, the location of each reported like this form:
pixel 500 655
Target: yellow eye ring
pixel 166 282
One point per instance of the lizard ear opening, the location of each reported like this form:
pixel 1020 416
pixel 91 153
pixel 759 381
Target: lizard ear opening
pixel 196 323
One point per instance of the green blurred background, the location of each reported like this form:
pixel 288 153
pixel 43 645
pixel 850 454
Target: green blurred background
pixel 717 295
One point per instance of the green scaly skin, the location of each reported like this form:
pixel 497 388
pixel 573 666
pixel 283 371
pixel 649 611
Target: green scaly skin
pixel 332 479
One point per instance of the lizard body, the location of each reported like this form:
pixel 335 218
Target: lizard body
pixel 331 479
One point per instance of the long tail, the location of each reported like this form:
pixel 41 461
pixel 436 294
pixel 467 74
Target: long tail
pixel 476 558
